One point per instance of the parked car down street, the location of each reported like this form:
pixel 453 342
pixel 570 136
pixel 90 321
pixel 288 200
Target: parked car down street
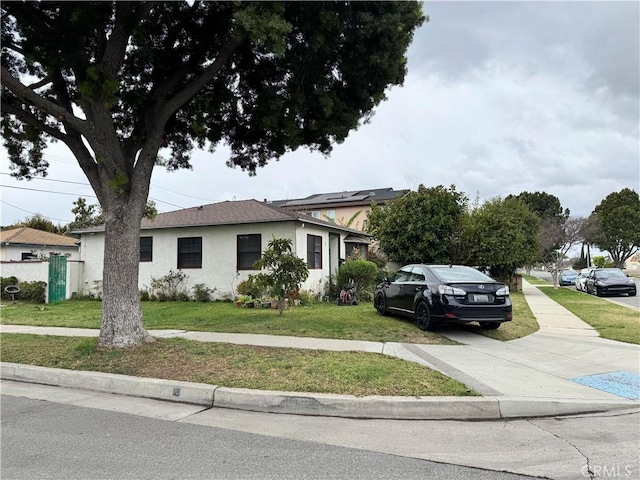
pixel 567 277
pixel 433 294
pixel 609 281
pixel 582 278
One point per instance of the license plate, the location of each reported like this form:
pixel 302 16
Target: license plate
pixel 481 298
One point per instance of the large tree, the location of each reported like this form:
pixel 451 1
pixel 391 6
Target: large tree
pixel 501 235
pixel 119 81
pixel 421 226
pixel 616 225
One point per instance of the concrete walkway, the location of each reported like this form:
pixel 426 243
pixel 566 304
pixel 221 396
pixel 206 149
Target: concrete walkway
pixel 563 368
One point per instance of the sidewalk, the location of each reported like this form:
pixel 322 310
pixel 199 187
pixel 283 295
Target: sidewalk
pixel 564 368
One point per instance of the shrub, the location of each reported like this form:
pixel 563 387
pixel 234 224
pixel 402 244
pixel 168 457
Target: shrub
pixel 29 291
pixel 362 273
pixel 202 293
pixel 33 291
pixel 170 287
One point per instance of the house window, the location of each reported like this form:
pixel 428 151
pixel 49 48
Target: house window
pixel 360 248
pixel 314 251
pixel 249 250
pixel 331 214
pixel 29 256
pixel 146 249
pixel 315 214
pixel 190 252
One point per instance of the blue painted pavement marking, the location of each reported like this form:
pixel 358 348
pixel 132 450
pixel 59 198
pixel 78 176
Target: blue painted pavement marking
pixel 623 384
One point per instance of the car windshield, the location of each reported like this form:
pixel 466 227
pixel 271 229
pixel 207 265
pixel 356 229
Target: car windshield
pixel 609 273
pixel 460 274
pixel 569 272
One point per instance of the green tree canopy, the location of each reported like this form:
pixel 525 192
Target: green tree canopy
pixel 119 81
pixel 421 226
pixel 38 221
pixel 617 225
pixel 501 235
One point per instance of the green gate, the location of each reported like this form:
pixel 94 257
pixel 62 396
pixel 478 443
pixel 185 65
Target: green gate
pixel 57 278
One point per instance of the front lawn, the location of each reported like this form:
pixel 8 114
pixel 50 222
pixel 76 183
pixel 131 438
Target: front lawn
pixel 262 368
pixel 324 320
pixel 612 321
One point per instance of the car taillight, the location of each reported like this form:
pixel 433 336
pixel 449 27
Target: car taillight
pixel 448 290
pixel 502 292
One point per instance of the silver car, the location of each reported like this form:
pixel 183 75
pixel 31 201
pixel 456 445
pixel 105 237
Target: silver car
pixel 582 278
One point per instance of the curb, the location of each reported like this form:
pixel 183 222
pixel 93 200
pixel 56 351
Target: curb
pixel 314 404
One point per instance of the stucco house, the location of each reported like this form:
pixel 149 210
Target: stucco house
pixel 24 243
pixel 217 244
pixel 341 207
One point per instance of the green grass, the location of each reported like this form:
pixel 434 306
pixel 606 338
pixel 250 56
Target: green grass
pixel 535 280
pixel 612 321
pixel 262 368
pixel 323 320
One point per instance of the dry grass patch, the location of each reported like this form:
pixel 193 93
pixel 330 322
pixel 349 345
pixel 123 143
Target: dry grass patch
pixel 263 368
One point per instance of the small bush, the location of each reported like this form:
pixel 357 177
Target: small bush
pixel 202 293
pixel 33 291
pixel 362 273
pixel 170 287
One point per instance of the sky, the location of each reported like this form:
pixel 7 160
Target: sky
pixel 500 98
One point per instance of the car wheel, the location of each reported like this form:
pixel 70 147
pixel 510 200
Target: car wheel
pixel 597 292
pixel 490 325
pixel 423 317
pixel 380 304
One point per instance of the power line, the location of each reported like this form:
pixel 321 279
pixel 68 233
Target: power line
pixel 88 185
pixel 80 195
pixel 32 213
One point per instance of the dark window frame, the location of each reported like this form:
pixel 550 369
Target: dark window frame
pixel 246 251
pixel 146 251
pixel 189 252
pixel 314 252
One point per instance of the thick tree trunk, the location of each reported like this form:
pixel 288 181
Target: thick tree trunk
pixel 121 324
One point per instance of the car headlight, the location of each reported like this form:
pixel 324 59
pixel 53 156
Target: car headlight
pixel 447 290
pixel 502 292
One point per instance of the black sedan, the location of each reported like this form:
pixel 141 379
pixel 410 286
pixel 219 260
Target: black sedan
pixel 444 293
pixel 609 281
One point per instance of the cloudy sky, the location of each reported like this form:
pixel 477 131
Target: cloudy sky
pixel 500 98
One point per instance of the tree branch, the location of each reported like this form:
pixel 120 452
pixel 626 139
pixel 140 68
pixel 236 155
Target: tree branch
pixel 190 91
pixel 30 119
pixel 41 103
pixel 116 46
pixel 41 83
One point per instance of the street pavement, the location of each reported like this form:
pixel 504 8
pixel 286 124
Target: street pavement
pixel 564 368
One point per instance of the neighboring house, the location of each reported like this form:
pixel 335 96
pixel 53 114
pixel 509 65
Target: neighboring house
pixel 25 254
pixel 217 244
pixel 24 243
pixel 633 263
pixel 344 208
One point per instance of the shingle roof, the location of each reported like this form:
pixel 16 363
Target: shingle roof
pixel 227 213
pixel 31 236
pixel 354 197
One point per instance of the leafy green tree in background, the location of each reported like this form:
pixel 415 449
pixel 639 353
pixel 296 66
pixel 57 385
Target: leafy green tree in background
pixel 501 236
pixel 38 222
pixel 285 271
pixel 116 82
pixel 558 233
pixel 421 226
pixel 617 225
